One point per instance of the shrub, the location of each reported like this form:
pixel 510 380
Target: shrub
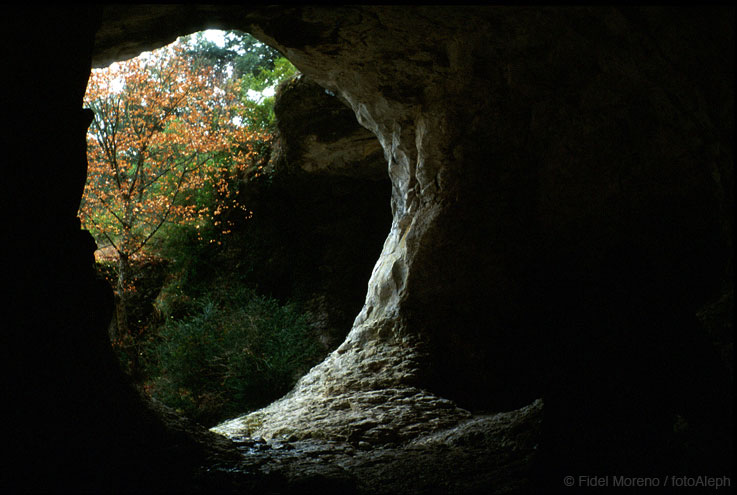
pixel 236 352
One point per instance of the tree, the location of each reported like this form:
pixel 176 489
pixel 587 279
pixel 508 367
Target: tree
pixel 165 132
pixel 260 113
pixel 240 54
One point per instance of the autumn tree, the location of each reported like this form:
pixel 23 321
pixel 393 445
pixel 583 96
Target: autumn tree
pixel 165 129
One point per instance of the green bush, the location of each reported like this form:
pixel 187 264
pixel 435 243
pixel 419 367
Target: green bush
pixel 236 352
pixel 202 337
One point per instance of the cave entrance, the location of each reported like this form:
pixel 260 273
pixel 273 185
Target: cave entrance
pixel 234 269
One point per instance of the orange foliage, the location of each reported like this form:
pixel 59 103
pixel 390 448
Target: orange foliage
pixel 164 129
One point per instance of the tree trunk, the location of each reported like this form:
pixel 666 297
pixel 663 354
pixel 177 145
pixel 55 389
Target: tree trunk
pixel 121 310
pixel 124 336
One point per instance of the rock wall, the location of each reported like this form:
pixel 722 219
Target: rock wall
pixel 556 212
pixel 321 213
pixel 562 207
pixel 319 135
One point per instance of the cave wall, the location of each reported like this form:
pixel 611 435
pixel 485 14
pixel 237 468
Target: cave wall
pixel 561 211
pixel 72 422
pixel 562 207
pixel 320 209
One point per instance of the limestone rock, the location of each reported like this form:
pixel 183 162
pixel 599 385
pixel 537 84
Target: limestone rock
pixel 320 218
pixel 319 134
pixel 484 454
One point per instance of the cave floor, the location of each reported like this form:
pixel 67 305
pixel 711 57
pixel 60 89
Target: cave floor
pixel 488 453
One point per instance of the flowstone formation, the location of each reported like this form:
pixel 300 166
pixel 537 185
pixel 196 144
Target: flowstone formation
pixel 562 210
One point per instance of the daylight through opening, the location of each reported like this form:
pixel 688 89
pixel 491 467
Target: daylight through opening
pixel 180 149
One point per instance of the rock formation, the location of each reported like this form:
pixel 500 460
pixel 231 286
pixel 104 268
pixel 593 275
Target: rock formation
pixel 321 214
pixel 562 209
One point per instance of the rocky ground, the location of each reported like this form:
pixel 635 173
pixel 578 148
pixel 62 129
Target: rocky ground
pixel 487 454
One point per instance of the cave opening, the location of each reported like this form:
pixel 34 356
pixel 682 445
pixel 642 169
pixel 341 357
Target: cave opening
pixel 574 88
pixel 234 268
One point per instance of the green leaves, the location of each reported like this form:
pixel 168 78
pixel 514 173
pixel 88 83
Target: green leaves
pixel 175 137
pixel 235 352
pixel 165 128
pixel 241 53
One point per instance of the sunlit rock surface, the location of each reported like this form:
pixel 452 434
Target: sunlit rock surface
pixel 487 454
pixel 321 213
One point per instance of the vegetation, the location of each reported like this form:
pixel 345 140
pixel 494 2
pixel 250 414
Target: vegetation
pixel 156 153
pixel 236 351
pixel 177 134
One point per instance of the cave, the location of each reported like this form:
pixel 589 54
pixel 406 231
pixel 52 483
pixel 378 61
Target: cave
pixel 554 296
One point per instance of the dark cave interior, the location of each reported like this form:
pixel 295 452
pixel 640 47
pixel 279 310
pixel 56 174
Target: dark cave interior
pixel 562 191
